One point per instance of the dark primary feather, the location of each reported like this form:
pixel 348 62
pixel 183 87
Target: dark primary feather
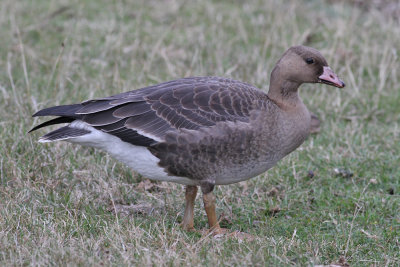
pixel 52 122
pixel 64 110
pixel 144 116
pixel 64 132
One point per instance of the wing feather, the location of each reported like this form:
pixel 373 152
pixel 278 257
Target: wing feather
pixel 145 116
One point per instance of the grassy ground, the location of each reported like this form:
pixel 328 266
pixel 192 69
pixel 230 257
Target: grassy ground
pixel 56 199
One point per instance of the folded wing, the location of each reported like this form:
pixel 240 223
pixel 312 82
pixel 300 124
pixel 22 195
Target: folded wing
pixel 144 116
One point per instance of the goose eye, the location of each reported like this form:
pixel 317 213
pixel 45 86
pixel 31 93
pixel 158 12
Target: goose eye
pixel 309 60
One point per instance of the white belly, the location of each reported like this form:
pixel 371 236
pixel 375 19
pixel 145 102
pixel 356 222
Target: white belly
pixel 138 158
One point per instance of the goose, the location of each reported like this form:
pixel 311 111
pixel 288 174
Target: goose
pixel 199 131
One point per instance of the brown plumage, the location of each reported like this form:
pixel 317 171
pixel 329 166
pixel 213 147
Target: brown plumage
pixel 188 103
pixel 200 131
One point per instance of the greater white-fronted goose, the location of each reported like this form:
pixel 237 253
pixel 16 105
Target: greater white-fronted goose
pixel 199 131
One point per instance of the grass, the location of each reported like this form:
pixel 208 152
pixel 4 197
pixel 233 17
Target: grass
pixel 55 199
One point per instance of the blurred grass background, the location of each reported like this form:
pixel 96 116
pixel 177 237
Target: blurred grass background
pixel 56 200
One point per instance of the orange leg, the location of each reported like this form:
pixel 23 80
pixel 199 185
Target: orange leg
pixel 190 195
pixel 209 206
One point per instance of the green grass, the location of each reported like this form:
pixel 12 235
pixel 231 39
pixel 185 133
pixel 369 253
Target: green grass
pixel 55 199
